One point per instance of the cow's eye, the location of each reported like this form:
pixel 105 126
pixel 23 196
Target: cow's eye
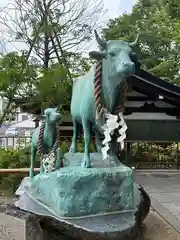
pixel 112 54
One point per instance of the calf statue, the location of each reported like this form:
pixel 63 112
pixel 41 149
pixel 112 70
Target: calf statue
pixel 98 97
pixel 45 141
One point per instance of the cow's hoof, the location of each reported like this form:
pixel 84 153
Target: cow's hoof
pixel 86 163
pixel 99 150
pixel 72 150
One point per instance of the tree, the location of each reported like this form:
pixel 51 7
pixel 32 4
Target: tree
pixel 17 79
pixel 32 88
pixel 51 28
pixel 52 31
pixel 53 87
pixel 158 49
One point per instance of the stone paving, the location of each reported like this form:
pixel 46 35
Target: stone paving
pixel 164 190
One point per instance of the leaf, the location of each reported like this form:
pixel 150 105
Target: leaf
pixel 159 27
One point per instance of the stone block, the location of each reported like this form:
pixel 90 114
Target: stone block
pixel 74 191
pixel 117 226
pixel 19 227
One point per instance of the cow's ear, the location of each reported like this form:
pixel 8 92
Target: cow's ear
pixel 40 117
pixel 97 55
pixel 134 57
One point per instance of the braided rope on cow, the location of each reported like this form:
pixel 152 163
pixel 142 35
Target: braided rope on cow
pixel 119 108
pixel 97 93
pixel 40 143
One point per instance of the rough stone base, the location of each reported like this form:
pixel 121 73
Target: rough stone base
pixel 74 191
pixel 65 204
pixel 122 226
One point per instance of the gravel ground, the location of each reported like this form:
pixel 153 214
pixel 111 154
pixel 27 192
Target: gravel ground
pixel 154 226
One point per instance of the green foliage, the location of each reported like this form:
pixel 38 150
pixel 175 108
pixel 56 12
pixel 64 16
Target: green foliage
pixel 154 155
pixel 53 87
pixel 158 25
pixel 80 146
pixel 17 76
pixel 20 158
pixel 12 158
pixel 33 88
pixel 51 33
pixel 143 155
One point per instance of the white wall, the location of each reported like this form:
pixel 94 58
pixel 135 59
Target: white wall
pixel 3 104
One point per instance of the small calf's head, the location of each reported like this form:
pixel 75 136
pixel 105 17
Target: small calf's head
pixel 51 116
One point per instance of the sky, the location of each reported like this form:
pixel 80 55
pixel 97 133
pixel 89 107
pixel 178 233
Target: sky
pixel 117 7
pixel 114 9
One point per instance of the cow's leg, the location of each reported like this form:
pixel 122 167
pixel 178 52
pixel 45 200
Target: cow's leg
pixel 33 159
pixel 59 156
pixel 87 137
pixel 114 150
pixel 98 142
pixel 41 164
pixel 73 147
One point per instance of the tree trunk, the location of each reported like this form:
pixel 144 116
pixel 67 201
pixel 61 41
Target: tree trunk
pixel 46 51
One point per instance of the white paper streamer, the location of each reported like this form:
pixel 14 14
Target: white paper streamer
pixel 110 125
pixel 48 162
pixel 122 131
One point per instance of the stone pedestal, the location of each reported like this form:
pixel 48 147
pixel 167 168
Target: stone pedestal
pixel 99 203
pixel 121 226
pixel 76 191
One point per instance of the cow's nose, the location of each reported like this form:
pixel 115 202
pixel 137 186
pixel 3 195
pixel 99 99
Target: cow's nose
pixel 58 116
pixel 129 65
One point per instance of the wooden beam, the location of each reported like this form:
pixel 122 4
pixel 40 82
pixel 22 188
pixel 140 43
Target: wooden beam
pixel 152 89
pixel 153 93
pixel 141 98
pixel 17 170
pixel 144 109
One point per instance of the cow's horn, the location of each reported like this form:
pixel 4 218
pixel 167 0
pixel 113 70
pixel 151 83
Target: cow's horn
pixel 133 44
pixel 100 41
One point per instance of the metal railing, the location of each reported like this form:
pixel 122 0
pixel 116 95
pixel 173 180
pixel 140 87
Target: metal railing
pixel 17 170
pixel 15 159
pixel 152 154
pixel 14 142
pixel 138 154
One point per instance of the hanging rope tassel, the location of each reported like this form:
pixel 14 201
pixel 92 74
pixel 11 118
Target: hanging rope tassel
pixel 115 121
pixel 48 159
pixel 41 136
pixel 100 110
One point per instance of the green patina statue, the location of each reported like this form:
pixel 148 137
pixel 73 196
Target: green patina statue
pixel 97 195
pixel 45 140
pixel 98 97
